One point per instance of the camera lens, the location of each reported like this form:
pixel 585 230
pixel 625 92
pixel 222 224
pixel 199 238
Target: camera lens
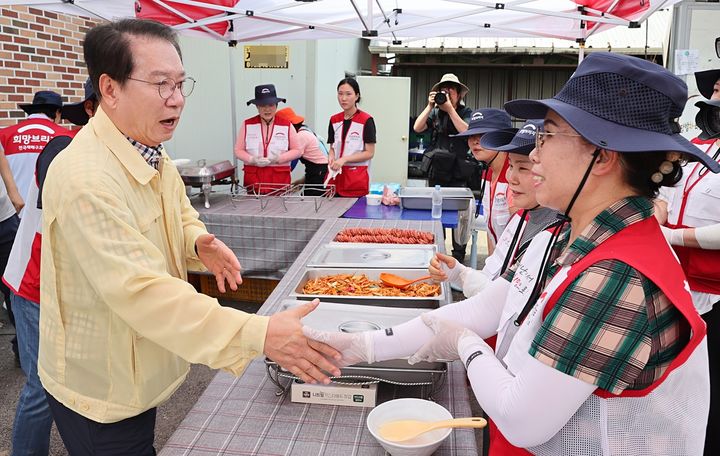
pixel 708 120
pixel 440 98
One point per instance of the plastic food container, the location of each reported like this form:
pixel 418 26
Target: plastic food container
pixel 373 200
pixel 410 409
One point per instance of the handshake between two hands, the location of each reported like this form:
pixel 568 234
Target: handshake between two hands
pixel 359 347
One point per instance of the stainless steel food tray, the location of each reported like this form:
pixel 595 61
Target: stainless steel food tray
pixel 199 174
pixel 373 274
pixel 344 317
pixel 360 255
pixel 454 198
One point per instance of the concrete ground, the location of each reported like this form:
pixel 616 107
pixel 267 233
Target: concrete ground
pixel 169 414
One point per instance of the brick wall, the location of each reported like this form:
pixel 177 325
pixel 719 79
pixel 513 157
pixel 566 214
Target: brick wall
pixel 39 50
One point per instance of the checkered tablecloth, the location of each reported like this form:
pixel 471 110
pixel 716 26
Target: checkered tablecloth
pixel 268 241
pixel 245 416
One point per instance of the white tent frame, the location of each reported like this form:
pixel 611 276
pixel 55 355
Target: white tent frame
pixel 376 23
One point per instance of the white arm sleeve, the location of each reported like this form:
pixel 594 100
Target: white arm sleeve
pixel 530 407
pixel 474 281
pixel 481 314
pixel 708 237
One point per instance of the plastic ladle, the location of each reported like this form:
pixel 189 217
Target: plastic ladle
pixel 393 280
pixel 402 430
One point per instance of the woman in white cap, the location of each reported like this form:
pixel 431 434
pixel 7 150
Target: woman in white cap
pixel 266 144
pixel 692 226
pixel 529 221
pixel 600 350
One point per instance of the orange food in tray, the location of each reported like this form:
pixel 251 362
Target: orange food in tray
pixel 361 285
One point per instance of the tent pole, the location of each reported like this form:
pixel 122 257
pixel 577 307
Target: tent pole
pixel 232 45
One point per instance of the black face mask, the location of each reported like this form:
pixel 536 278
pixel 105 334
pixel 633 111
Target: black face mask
pixel 708 120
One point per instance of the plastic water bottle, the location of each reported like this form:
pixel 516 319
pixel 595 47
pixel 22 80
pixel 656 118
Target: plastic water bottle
pixel 436 203
pixel 420 146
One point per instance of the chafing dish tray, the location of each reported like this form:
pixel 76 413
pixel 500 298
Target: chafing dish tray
pixel 358 255
pixel 373 274
pixel 353 318
pixel 199 174
pixel 454 198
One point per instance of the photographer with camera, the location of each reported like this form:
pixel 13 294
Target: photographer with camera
pixel 690 213
pixel 444 159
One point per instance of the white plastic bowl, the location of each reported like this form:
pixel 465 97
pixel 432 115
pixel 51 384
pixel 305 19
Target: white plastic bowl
pixel 373 200
pixel 410 409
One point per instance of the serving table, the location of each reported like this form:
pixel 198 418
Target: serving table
pixel 246 416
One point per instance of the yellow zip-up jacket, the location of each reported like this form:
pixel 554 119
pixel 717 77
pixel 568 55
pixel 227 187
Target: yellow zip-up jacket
pixel 118 323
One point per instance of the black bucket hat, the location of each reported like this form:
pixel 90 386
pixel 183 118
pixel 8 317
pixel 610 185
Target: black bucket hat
pixel 620 103
pixel 705 81
pixel 43 98
pixel 265 95
pixel 522 142
pixel 75 112
pixel 486 120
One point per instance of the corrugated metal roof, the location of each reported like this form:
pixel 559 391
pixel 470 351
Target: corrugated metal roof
pixel 618 39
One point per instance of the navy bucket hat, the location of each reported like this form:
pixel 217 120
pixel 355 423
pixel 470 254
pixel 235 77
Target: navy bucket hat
pixel 43 98
pixel 265 95
pixel 705 81
pixel 622 104
pixel 75 112
pixel 486 120
pixel 522 142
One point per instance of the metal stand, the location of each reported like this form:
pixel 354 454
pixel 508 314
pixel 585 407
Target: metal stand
pixel 287 193
pixel 283 380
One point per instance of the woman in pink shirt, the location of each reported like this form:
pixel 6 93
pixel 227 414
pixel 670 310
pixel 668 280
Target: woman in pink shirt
pixel 314 153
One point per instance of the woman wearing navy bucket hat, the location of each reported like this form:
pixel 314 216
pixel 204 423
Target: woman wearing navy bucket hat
pixel 266 144
pixel 602 351
pixel 691 214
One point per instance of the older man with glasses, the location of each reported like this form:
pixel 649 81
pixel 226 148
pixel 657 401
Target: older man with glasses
pixel 119 323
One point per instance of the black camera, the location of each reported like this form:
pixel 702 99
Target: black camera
pixel 708 119
pixel 440 98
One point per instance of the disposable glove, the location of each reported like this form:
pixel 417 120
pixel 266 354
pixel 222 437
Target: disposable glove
pixel 673 236
pixel 444 346
pixel 354 347
pixel 480 223
pixel 259 161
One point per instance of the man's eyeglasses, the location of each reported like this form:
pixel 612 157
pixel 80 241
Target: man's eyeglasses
pixel 167 86
pixel 540 137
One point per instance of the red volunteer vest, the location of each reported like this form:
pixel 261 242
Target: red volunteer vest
pixel 637 246
pixel 354 180
pixel 499 189
pixel 700 265
pixel 23 142
pixel 275 175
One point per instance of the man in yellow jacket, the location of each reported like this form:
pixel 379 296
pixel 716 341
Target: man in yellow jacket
pixel 119 324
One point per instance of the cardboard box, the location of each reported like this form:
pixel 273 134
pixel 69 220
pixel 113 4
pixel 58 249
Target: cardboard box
pixel 334 394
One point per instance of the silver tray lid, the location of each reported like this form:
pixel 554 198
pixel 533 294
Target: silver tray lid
pixel 426 192
pixel 201 169
pixel 329 316
pixel 347 254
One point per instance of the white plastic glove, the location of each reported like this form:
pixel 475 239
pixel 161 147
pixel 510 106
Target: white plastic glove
pixel 444 267
pixel 673 236
pixel 480 223
pixel 354 347
pixel 444 346
pixel 259 161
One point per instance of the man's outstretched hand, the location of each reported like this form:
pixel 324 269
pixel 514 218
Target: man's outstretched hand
pixel 305 358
